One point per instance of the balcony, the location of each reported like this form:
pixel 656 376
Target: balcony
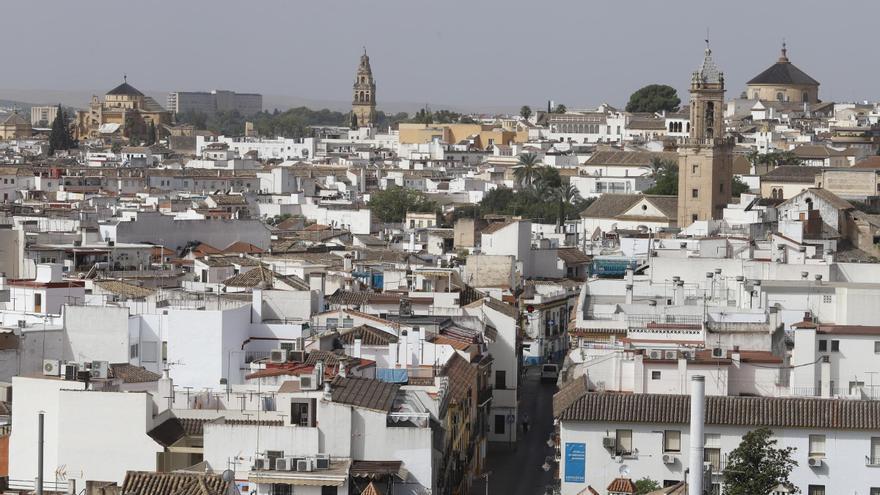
pixel 872 461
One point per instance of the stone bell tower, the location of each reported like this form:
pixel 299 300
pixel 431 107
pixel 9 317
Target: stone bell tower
pixel 363 106
pixel 705 163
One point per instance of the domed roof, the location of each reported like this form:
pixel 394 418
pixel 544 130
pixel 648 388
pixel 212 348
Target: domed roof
pixel 783 73
pixel 125 89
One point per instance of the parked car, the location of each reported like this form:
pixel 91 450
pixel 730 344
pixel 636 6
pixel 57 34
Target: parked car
pixel 549 373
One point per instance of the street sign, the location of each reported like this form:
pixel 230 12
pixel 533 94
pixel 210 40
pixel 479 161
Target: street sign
pixel 551 322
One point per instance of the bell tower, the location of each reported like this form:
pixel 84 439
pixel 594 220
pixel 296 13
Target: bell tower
pixel 363 106
pixel 705 163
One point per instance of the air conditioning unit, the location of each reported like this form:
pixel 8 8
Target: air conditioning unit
pixel 609 442
pixel 278 356
pixel 22 323
pixel 308 382
pixel 655 354
pixel 306 465
pixel 618 459
pixel 51 367
pixel 670 355
pixel 717 352
pixel 100 369
pixel 668 459
pixel 814 462
pixel 70 371
pixel 284 464
pixel 322 461
pixel 296 356
pixel 688 355
pixel 261 464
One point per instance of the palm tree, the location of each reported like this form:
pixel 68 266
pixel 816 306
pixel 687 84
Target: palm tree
pixel 526 169
pixel 566 194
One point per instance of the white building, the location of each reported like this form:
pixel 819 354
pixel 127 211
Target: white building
pixel 602 435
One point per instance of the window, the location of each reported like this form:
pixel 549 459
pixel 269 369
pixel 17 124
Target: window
pixel 671 441
pixel 780 97
pixel 694 217
pixel 721 187
pixel 835 346
pixel 500 422
pixel 299 413
pixel 329 490
pixel 816 490
pixel 281 489
pixel 817 445
pixel 695 169
pixel 624 443
pixel 695 193
pixel 877 347
pixel 855 387
pixel 713 456
pixel 133 351
pixel 500 379
pixel 874 455
pixel 712 450
pixel 655 375
pixel 823 345
pixel 875 490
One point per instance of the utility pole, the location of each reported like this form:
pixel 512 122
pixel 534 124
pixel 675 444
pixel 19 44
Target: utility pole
pixel 40 422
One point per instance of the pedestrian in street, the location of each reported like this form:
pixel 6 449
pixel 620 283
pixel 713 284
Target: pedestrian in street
pixel 525 423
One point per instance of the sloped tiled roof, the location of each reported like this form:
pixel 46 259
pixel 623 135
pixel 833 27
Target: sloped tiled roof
pixel 462 377
pixel 152 483
pixel 792 173
pixel 784 73
pixel 364 392
pixel 622 485
pixel 573 256
pixel 125 89
pixel 800 412
pixel 369 336
pixel 124 289
pixel 262 275
pixel 630 158
pixel 130 373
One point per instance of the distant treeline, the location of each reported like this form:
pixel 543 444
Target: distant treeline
pixel 293 123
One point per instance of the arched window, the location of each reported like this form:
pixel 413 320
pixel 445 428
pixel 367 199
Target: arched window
pixel 809 204
pixel 710 119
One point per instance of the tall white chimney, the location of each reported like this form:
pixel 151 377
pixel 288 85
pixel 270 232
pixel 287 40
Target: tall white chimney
pixel 698 416
pixel 404 354
pixel 357 348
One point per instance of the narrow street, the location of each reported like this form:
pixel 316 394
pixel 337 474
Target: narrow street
pixel 517 470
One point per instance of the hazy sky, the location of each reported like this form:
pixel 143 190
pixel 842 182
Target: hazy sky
pixel 464 52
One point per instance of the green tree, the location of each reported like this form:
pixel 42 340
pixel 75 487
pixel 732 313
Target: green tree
pixel 566 195
pixel 560 108
pixel 59 136
pixel 646 485
pixel 665 178
pixel 151 134
pixel 654 98
pixel 738 187
pixel 392 204
pixel 525 112
pixel 757 465
pixel 526 169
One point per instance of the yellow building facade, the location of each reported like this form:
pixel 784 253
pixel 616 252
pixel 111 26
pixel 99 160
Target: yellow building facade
pixel 123 110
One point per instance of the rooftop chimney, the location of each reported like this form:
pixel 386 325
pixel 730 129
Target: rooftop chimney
pixel 698 415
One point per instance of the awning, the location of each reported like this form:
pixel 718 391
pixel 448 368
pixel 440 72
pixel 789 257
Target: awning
pixel 297 479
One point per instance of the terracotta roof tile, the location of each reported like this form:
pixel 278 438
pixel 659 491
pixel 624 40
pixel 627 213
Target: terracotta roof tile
pixel 800 412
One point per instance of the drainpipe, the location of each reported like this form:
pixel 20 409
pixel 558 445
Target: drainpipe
pixel 698 414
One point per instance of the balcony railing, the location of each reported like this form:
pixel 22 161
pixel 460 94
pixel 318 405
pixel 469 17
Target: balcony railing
pixel 872 461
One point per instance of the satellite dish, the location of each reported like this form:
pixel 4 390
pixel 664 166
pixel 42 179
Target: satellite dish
pixel 624 470
pixel 228 476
